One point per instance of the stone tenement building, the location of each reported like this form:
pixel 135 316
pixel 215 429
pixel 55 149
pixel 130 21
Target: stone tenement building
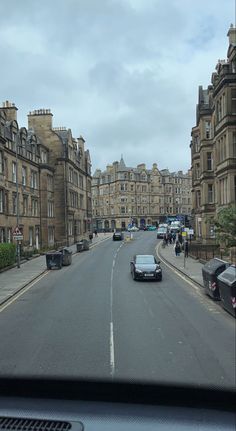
pixel 52 171
pixel 123 194
pixel 213 145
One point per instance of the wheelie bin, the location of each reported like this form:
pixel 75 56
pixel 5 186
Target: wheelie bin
pixel 210 271
pixel 79 246
pixel 85 244
pixel 227 288
pixel 54 260
pixel 66 256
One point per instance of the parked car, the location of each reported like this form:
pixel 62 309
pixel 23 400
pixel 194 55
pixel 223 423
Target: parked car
pixel 142 227
pixel 161 231
pixel 145 267
pixel 118 236
pixel 151 228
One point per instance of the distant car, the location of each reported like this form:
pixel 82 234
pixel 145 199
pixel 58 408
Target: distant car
pixel 151 228
pixel 145 267
pixel 161 231
pixel 142 227
pixel 133 229
pixel 163 225
pixel 118 236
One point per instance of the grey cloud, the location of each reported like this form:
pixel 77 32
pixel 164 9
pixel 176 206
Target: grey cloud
pixel 122 73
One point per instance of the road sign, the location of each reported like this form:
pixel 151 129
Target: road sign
pixel 191 232
pixel 17 231
pixel 184 233
pixel 17 234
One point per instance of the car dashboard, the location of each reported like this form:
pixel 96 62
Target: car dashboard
pixel 68 405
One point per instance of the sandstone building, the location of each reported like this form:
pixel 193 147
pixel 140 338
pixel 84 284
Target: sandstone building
pixel 45 181
pixel 124 195
pixel 213 145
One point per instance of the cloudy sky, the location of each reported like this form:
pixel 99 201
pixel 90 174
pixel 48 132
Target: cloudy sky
pixel 124 74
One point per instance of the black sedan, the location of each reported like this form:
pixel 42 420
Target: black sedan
pixel 145 267
pixel 118 236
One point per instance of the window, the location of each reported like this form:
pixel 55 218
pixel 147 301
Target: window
pixel 132 188
pixel 50 209
pixel 76 179
pixel 50 182
pixel 14 203
pixel 207 129
pixel 44 157
pixel 223 191
pixel 197 170
pixel 70 175
pixel 34 180
pixel 81 201
pixel 1 163
pixel 234 144
pixel 70 227
pixel 1 201
pixel 25 205
pixel 122 210
pixel 34 207
pixel 14 172
pixel 233 104
pixel 81 182
pixel 209 161
pixel 31 232
pixel 198 198
pixel 23 175
pixel 196 143
pixel 235 188
pixel 210 193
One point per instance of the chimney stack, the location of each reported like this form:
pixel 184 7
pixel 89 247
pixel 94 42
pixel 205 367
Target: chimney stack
pixel 40 119
pixel 232 35
pixel 10 110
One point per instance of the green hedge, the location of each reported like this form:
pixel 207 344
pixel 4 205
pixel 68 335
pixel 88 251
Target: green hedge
pixel 7 254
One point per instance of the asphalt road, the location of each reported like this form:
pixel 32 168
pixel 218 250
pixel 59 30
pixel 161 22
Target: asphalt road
pixel 92 320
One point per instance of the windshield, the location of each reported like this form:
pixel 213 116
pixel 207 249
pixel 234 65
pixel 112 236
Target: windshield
pixel 145 259
pixel 118 116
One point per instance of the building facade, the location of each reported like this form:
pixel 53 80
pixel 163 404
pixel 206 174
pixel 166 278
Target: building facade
pixel 50 173
pixel 22 172
pixel 213 145
pixel 72 177
pixel 124 195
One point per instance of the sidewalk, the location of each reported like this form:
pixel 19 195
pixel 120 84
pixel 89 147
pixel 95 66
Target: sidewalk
pixel 192 268
pixel 15 279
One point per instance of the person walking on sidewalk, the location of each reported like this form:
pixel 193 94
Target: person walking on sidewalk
pixel 177 248
pixel 186 248
pixel 95 233
pixel 166 238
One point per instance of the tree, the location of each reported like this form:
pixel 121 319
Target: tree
pixel 225 226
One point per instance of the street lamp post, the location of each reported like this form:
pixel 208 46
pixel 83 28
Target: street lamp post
pixel 131 236
pixel 17 203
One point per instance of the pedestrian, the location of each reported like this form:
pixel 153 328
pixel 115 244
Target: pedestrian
pixel 186 248
pixel 166 238
pixel 177 248
pixel 174 236
pixel 169 237
pixel 96 232
pixel 180 238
